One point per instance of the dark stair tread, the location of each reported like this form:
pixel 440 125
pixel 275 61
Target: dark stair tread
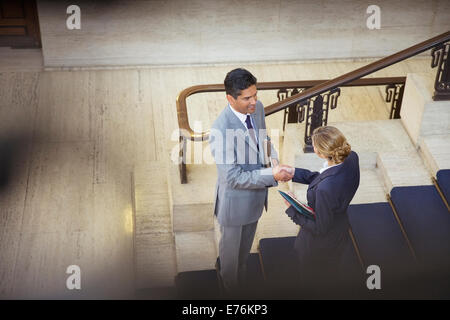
pixel 379 238
pixel 204 284
pixel 281 268
pixel 201 284
pixel 426 221
pixel 278 258
pixel 443 180
pixel 254 271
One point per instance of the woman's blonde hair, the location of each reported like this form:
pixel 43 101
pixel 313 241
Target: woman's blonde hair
pixel 331 143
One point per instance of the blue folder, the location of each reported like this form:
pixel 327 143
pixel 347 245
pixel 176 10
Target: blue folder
pixel 298 206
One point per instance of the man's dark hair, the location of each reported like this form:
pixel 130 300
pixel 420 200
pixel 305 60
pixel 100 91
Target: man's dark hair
pixel 238 80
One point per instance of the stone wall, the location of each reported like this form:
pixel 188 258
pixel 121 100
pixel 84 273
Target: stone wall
pixel 167 32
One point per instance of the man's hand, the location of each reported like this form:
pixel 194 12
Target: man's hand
pixel 283 173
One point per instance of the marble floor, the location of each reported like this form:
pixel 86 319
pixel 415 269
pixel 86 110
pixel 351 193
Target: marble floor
pixel 69 142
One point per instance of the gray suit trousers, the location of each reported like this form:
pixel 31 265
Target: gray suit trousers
pixel 234 247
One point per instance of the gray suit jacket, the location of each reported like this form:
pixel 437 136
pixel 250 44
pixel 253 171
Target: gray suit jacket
pixel 241 188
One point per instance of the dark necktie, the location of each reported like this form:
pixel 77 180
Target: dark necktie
pixel 251 130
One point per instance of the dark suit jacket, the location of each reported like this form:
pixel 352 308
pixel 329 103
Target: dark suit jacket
pixel 324 240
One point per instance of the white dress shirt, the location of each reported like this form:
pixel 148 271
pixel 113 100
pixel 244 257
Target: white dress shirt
pixel 243 117
pixel 326 166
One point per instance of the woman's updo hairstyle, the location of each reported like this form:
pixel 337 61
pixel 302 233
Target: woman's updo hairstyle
pixel 331 143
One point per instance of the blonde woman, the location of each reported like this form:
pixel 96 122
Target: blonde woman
pixel 321 243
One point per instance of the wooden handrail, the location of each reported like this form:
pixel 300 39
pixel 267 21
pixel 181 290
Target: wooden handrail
pixel 182 108
pixel 315 87
pixel 359 73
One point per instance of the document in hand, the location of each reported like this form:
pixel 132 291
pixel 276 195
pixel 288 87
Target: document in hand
pixel 301 208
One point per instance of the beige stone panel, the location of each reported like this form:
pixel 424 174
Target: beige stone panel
pixel 367 42
pixel 443 8
pixel 21 60
pixel 19 95
pixel 111 226
pixel 151 198
pixel 59 194
pixel 12 202
pixel 355 104
pixel 42 262
pixel 201 32
pixel 115 87
pixel 103 251
pixel 72 221
pixel 151 90
pixel 44 258
pixel 125 136
pixel 375 136
pixel 65 109
pixel 400 13
pixel 154 242
pixel 155 260
pixel 420 64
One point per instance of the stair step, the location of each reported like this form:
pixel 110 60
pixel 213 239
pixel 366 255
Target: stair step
pixel 151 200
pixel 202 285
pixel 155 260
pixel 403 169
pixel 275 222
pixel 205 284
pixel 255 276
pixel 435 152
pixel 154 245
pixel 279 264
pixel 281 269
pixel 443 180
pixel 195 250
pixel 426 221
pixel 371 189
pixel 192 203
pixel 421 115
pixel 380 240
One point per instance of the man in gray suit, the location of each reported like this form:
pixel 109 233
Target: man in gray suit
pixel 240 147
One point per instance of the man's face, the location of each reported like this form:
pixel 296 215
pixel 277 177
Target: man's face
pixel 246 101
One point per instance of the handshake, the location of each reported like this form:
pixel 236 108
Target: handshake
pixel 283 172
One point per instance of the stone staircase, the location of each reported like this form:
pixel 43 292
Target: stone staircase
pixel 175 229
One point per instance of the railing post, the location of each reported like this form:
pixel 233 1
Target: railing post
pixel 441 60
pixel 182 159
pixel 317 114
pixel 292 110
pixel 291 113
pixel 394 94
